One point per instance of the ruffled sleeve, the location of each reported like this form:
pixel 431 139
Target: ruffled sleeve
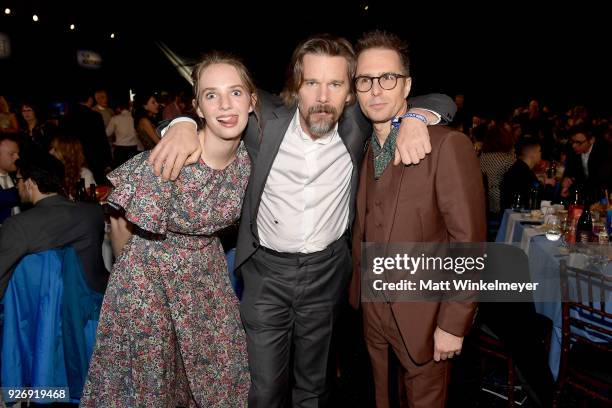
pixel 144 196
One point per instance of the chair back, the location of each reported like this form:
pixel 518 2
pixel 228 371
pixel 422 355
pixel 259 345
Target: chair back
pixel 588 295
pixel 586 319
pixel 48 315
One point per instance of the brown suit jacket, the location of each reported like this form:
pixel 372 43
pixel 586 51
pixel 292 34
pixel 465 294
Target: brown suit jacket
pixel 439 200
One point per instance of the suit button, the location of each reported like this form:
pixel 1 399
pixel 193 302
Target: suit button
pixel 377 202
pixel 378 224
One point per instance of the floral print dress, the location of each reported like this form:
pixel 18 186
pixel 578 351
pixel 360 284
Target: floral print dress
pixel 170 332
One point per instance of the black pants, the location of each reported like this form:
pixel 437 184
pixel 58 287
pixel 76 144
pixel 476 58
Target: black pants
pixel 289 306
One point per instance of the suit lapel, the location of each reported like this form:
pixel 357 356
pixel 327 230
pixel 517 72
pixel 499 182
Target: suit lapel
pixel 354 130
pixel 593 161
pixel 361 191
pixel 273 134
pixel 350 135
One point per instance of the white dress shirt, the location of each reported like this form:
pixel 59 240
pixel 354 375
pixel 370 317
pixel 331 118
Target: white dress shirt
pixel 122 126
pixel 305 203
pixel 585 161
pixel 5 180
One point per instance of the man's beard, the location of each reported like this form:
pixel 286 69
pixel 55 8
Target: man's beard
pixel 324 126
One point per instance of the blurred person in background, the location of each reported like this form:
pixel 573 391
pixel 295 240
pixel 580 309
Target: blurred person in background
pixel 175 106
pixel 121 130
pixel 70 152
pixel 8 120
pixel 101 106
pixel 589 164
pixel 145 111
pixel 34 132
pixel 496 159
pixel 9 199
pixel 52 222
pixel 82 123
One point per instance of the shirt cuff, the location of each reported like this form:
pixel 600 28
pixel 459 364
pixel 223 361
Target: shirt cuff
pixel 178 120
pixel 436 114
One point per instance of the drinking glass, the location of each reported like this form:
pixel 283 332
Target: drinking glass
pixel 553 229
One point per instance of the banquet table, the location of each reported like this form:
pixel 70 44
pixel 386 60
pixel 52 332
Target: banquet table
pixel 544 261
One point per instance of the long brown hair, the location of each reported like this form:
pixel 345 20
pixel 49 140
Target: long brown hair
pixel 70 152
pixel 324 44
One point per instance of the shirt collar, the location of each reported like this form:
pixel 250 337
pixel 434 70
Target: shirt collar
pixel 297 128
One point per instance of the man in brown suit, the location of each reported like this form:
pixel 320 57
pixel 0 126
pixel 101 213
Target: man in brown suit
pixel 439 200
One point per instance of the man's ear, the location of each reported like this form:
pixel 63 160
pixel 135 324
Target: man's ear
pixel 29 184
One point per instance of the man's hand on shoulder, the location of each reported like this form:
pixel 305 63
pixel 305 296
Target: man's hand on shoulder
pixel 413 142
pixel 179 147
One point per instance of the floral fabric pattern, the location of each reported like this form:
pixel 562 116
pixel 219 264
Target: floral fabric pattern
pixel 170 332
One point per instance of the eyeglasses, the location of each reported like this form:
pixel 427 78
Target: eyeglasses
pixel 387 81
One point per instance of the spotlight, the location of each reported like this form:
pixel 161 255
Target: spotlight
pixel 35 18
pixel 72 26
pixel 366 8
pixel 112 35
pixel 7 11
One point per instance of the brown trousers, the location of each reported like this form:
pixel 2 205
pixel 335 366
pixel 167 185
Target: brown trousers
pixel 425 385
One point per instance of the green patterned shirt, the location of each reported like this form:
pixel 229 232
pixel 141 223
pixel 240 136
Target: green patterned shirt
pixel 385 154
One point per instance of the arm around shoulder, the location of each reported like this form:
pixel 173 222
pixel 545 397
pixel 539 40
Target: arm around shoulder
pixel 179 146
pixel 442 104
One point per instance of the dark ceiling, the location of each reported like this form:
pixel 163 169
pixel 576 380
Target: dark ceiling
pixel 496 57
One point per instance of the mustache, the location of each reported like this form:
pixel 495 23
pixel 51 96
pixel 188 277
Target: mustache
pixel 322 109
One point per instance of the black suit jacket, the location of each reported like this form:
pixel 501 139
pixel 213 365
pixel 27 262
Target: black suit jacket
pixel 9 198
pixel 600 170
pixel 55 222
